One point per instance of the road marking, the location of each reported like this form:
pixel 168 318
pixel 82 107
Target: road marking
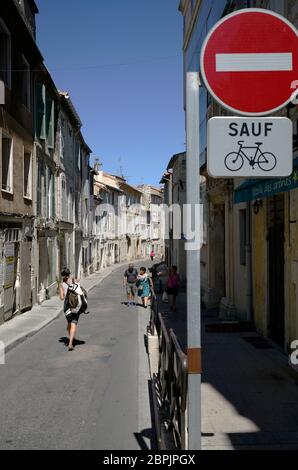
pixel 256 62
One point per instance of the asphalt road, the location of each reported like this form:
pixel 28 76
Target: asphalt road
pixel 95 397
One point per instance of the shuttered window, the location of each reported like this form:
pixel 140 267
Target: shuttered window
pixel 50 122
pixel 7 163
pixel 39 189
pixel 44 115
pixel 5 54
pixel 40 107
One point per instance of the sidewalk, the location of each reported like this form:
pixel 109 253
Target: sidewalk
pixel 249 392
pixel 21 327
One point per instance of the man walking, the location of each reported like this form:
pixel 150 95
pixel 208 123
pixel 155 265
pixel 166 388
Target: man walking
pixel 129 281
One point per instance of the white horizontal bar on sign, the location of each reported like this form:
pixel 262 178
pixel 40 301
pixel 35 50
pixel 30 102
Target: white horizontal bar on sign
pixel 247 62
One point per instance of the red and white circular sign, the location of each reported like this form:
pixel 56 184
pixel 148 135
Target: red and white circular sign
pixel 249 62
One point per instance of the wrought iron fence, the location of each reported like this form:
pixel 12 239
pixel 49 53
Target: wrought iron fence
pixel 171 379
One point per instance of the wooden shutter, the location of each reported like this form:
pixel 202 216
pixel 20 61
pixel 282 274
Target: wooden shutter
pixel 40 93
pixel 50 122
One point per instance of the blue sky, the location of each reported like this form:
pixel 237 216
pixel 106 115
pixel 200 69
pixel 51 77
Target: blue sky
pixel 132 111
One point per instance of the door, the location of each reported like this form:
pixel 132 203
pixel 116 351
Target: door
pixel 276 270
pixel 10 271
pixel 25 262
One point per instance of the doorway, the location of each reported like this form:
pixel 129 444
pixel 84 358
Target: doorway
pixel 276 326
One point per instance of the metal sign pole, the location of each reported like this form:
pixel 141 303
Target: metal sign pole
pixel 193 262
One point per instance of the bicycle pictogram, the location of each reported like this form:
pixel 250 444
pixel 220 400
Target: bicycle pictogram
pixel 266 161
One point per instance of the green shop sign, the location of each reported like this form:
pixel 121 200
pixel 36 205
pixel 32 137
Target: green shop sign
pixel 256 189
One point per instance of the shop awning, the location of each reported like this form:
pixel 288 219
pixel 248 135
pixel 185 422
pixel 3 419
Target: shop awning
pixel 259 189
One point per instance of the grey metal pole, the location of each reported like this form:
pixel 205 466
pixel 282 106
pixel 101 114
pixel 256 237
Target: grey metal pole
pixel 193 264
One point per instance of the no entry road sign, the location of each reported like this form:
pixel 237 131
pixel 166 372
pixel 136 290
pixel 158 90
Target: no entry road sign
pixel 249 61
pixel 249 147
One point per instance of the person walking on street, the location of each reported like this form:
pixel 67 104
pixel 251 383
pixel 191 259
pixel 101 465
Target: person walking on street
pixel 152 254
pixel 129 282
pixel 145 286
pixel 71 317
pixel 172 286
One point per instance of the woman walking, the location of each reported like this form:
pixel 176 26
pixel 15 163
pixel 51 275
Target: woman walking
pixel 145 286
pixel 172 286
pixel 72 318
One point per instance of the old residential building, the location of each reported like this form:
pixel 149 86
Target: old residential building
pixel 108 200
pixel 151 220
pixel 174 181
pixel 75 193
pixel 131 215
pixel 19 54
pixel 46 100
pixel 265 215
pixel 127 221
pixel 251 243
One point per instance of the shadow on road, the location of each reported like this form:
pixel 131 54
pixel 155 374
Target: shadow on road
pixel 146 433
pixel 76 342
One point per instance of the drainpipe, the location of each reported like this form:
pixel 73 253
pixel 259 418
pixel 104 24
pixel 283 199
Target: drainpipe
pixel 249 264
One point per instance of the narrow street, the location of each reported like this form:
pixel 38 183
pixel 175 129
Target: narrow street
pixel 85 399
pixel 161 134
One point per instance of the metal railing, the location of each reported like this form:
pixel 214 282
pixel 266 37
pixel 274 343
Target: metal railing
pixel 171 379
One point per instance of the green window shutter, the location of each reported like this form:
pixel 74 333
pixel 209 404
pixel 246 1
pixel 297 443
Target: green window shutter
pixel 53 197
pixel 40 110
pixel 38 189
pixel 50 122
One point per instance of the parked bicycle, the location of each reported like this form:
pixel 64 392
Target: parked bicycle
pixel 266 161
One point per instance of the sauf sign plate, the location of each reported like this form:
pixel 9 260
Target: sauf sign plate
pixel 249 147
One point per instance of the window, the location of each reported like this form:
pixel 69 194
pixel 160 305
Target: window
pixel 27 175
pixel 39 189
pixel 78 155
pixel 40 104
pixel 5 54
pixel 50 194
pixel 50 122
pixel 61 144
pixel 44 115
pixel 70 205
pixel 51 260
pixel 242 228
pixel 25 90
pixel 86 215
pixel 64 200
pixel 7 164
